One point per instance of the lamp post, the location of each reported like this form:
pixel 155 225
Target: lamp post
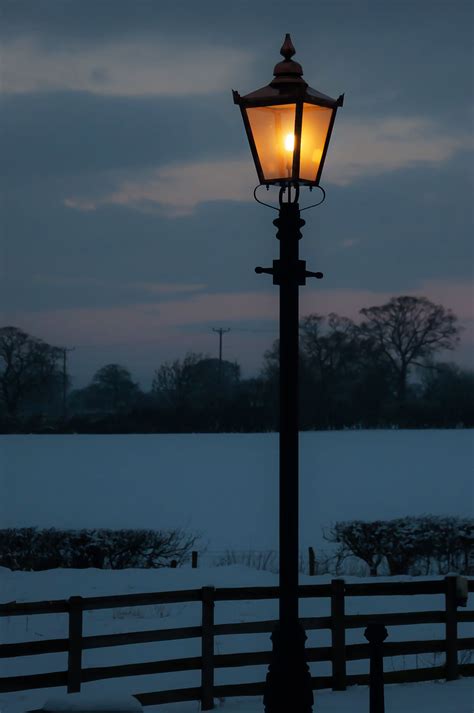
pixel 288 126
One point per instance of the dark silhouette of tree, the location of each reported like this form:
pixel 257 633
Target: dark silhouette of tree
pixel 214 381
pixel 350 376
pixel 343 379
pixel 29 368
pixel 329 343
pixel 34 549
pixel 360 539
pixel 330 352
pixel 173 382
pixel 196 382
pixel 447 393
pixel 113 387
pixel 251 409
pixel 408 331
pixel 409 545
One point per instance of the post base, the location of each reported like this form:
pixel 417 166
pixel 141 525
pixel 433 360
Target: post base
pixel 288 686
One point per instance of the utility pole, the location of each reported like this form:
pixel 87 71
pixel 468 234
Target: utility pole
pixel 64 351
pixel 220 332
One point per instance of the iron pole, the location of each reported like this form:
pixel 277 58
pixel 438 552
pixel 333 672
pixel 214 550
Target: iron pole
pixel 288 684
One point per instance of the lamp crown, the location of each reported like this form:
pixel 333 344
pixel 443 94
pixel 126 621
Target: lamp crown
pixel 288 71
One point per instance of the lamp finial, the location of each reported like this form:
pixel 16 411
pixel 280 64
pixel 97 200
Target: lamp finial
pixel 287 49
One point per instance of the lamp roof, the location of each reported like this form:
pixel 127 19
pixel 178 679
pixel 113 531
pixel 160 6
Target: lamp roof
pixel 287 85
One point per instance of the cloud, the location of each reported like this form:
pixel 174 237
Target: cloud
pixel 136 67
pixel 143 334
pixel 371 147
pixel 169 329
pixel 148 288
pixel 359 149
pixel 178 188
pixel 90 138
pixel 134 322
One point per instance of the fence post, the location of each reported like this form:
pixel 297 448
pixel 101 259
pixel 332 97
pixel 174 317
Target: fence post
pixel 207 650
pixel 451 628
pixel 376 634
pixel 194 559
pixel 312 562
pixel 74 660
pixel 338 635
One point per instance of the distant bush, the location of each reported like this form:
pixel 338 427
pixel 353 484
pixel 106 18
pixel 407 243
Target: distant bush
pixel 422 545
pixel 32 549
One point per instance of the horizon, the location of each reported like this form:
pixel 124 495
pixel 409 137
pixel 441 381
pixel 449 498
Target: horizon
pixel 460 355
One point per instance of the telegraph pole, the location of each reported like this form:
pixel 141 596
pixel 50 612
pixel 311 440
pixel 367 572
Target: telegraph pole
pixel 64 351
pixel 220 332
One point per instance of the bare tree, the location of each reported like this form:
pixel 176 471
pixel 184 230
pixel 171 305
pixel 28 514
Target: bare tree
pixel 195 382
pixel 358 538
pixel 329 344
pixel 173 381
pixel 408 331
pixel 27 366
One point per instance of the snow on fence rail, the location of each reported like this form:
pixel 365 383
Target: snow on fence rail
pixel 338 653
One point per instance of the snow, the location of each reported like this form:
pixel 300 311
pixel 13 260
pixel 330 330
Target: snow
pixel 447 697
pixel 226 485
pixel 436 697
pixel 452 697
pixel 96 703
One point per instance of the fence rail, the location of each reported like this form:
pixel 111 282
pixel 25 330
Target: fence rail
pixel 339 653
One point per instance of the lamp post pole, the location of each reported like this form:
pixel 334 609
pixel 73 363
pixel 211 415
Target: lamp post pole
pixel 288 685
pixel 288 125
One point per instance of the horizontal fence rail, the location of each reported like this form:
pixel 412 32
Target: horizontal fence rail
pixel 339 653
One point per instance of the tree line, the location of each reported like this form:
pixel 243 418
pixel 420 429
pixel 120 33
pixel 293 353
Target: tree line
pixel 380 372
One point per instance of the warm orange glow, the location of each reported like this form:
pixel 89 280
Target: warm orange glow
pixel 273 130
pixel 314 132
pixel 290 142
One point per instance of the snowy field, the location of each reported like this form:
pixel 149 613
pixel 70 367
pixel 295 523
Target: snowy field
pixel 452 697
pixel 436 697
pixel 226 485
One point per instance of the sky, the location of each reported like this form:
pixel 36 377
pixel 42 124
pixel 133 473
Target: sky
pixel 129 229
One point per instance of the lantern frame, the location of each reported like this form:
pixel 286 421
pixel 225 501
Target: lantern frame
pixel 288 88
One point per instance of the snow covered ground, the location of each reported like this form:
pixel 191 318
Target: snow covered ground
pixel 455 697
pixel 226 485
pixel 452 697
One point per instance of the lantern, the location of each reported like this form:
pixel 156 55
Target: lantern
pixel 288 125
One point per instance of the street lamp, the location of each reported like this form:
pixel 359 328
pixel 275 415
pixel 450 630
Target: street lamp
pixel 288 125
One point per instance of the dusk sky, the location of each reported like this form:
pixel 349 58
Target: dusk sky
pixel 129 228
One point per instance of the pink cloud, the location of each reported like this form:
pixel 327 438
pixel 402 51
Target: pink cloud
pixel 161 329
pixel 358 149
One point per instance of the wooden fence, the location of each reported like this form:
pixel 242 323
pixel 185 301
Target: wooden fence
pixel 339 653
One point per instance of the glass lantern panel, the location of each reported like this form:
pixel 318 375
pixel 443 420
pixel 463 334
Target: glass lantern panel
pixel 273 130
pixel 314 132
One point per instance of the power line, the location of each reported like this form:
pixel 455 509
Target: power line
pixel 151 342
pixel 257 331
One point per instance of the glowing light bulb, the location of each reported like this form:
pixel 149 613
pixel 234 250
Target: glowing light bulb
pixel 289 142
